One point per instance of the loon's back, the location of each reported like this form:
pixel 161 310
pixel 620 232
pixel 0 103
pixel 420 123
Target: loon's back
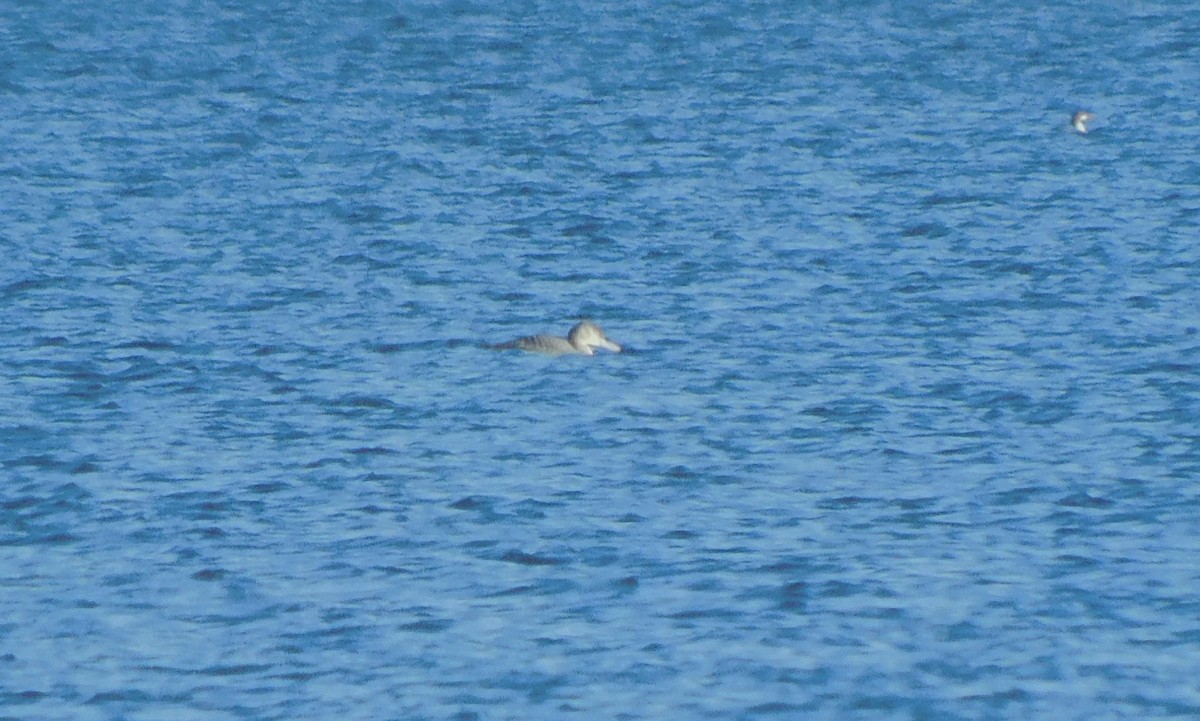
pixel 540 344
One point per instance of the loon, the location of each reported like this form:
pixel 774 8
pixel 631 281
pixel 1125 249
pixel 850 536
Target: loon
pixel 583 339
pixel 1080 120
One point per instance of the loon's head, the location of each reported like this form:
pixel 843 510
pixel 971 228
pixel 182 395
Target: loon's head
pixel 1080 120
pixel 586 336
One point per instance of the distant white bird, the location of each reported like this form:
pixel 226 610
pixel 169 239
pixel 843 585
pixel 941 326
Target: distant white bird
pixel 1080 120
pixel 583 339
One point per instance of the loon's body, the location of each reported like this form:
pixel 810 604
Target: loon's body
pixel 1080 120
pixel 583 339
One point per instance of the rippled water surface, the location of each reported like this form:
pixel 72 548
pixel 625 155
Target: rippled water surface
pixel 909 429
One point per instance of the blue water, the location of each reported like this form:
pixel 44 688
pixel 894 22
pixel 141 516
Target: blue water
pixel 911 429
